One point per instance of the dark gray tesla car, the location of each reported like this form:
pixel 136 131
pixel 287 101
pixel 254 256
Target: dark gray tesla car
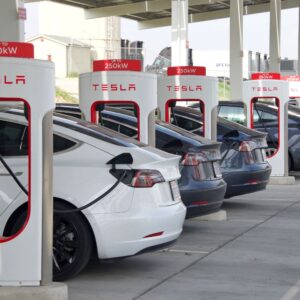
pixel 243 163
pixel 266 120
pixel 201 185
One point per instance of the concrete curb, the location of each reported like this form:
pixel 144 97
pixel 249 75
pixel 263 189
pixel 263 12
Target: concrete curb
pixel 282 180
pixel 218 216
pixel 54 291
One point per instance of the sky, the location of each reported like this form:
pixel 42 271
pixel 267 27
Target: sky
pixel 214 35
pixel 208 35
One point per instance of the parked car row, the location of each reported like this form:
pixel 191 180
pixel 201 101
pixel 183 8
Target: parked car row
pixel 265 117
pixel 145 192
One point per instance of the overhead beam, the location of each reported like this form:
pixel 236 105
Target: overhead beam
pixel 82 4
pixel 135 8
pixel 218 14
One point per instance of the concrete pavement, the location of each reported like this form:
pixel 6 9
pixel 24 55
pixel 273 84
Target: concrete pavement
pixel 255 254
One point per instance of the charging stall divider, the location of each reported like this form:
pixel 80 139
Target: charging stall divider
pixel 294 87
pixel 120 81
pixel 187 83
pixel 270 85
pixel 26 80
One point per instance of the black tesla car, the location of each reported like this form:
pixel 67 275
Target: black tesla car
pixel 243 163
pixel 201 184
pixel 266 120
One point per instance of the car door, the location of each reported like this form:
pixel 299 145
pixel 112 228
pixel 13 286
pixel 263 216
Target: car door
pixel 14 150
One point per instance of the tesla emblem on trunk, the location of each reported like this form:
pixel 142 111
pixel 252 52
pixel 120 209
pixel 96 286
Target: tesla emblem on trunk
pixel 114 87
pixel 7 80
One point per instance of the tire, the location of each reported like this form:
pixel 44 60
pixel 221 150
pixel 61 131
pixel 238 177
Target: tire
pixel 72 242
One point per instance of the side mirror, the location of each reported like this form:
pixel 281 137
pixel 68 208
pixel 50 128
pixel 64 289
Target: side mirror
pixel 121 159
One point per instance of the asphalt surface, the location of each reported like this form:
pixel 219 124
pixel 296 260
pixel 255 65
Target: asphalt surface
pixel 255 254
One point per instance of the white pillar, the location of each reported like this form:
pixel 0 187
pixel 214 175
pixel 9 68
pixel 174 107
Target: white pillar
pixel 179 32
pixel 11 26
pixel 275 28
pixel 236 48
pixel 298 67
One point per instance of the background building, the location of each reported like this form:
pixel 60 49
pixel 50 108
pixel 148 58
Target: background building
pixel 71 57
pixel 57 21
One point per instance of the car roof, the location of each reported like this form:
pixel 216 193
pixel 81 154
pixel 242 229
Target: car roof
pixel 197 116
pixel 128 117
pixel 83 127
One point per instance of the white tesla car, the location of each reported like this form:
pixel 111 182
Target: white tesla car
pixel 143 212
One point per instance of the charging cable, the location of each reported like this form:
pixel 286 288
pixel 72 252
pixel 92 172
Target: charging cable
pixel 18 182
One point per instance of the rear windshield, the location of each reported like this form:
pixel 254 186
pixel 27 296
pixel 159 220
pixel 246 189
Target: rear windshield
pixel 235 126
pixel 184 134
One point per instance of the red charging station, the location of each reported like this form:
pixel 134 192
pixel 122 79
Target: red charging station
pixel 119 82
pixel 29 82
pixel 269 88
pixel 190 84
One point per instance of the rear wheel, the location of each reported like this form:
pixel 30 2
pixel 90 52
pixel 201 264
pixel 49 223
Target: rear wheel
pixel 72 242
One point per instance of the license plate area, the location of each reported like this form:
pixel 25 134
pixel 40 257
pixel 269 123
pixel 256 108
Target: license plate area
pixel 175 191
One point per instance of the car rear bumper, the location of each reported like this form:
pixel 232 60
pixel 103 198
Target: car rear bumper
pixel 247 181
pixel 125 234
pixel 204 198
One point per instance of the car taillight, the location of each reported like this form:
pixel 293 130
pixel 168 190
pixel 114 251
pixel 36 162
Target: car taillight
pixel 246 148
pixel 193 159
pixel 146 178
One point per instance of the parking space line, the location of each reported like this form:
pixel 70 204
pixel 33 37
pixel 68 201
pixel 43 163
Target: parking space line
pixel 292 292
pixel 215 250
pixel 185 251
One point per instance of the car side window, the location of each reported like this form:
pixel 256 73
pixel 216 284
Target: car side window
pixel 162 139
pixel 222 130
pixel 128 131
pixel 185 123
pixel 264 116
pixel 12 139
pixel 233 113
pixel 61 143
pixel 111 125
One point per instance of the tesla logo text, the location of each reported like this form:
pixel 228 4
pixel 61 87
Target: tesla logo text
pixel 18 79
pixel 264 89
pixel 114 87
pixel 184 88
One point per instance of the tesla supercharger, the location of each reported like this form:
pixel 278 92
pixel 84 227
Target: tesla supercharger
pixel 294 87
pixel 189 84
pixel 270 88
pixel 29 82
pixel 119 82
